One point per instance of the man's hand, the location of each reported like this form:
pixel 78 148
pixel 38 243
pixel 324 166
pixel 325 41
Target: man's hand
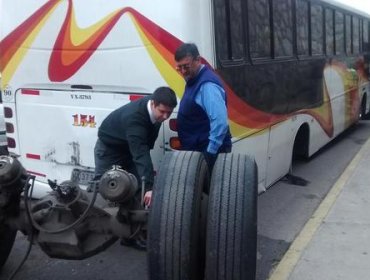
pixel 210 159
pixel 148 198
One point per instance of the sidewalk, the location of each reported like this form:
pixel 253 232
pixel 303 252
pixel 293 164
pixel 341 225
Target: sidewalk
pixel 335 242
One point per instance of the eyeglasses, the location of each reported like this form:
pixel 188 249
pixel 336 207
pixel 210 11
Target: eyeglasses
pixel 184 67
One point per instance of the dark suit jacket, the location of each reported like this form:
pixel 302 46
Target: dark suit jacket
pixel 130 130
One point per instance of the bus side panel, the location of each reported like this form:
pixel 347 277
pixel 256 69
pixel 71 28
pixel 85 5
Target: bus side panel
pixel 335 90
pixel 255 145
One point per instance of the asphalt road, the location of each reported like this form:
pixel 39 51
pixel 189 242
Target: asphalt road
pixel 283 211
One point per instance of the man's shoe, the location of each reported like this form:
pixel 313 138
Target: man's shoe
pixel 134 243
pixel 140 244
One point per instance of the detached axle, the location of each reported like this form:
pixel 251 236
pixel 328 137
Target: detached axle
pixel 69 222
pixel 195 216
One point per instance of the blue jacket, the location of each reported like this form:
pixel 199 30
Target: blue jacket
pixel 192 121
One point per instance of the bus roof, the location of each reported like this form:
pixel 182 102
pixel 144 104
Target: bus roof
pixel 347 7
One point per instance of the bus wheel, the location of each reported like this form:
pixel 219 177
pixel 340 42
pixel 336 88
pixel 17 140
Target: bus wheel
pixel 7 238
pixel 231 245
pixel 174 221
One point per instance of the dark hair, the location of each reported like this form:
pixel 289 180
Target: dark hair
pixel 186 49
pixel 165 96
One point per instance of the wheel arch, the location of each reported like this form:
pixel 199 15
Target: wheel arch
pixel 364 115
pixel 301 142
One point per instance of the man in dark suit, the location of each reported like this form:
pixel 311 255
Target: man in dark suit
pixel 127 135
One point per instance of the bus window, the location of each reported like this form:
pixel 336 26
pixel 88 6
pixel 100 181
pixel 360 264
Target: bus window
pixel 365 35
pixel 356 35
pixel 339 33
pixel 230 30
pixel 329 26
pixel 283 28
pixel 317 32
pixel 302 27
pixel 348 34
pixel 259 29
pixel 236 30
pixel 221 18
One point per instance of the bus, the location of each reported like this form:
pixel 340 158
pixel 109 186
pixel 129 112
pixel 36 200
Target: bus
pixel 3 141
pixel 296 74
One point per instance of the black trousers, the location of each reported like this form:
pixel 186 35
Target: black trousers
pixel 106 156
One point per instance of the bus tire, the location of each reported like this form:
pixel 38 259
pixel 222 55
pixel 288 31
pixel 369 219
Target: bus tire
pixel 3 150
pixel 7 238
pixel 174 221
pixel 231 241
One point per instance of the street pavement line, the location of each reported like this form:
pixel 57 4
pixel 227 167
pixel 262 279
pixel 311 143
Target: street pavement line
pixel 292 256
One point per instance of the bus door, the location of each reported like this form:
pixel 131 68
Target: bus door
pixel 280 149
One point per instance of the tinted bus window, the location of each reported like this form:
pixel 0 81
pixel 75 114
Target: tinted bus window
pixel 348 34
pixel 222 30
pixel 356 35
pixel 229 25
pixel 259 28
pixel 339 33
pixel 317 32
pixel 283 30
pixel 302 27
pixel 329 26
pixel 236 30
pixel 365 35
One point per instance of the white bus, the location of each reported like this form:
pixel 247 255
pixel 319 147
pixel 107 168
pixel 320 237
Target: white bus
pixel 3 141
pixel 296 73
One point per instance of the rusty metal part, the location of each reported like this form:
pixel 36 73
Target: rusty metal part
pixel 12 180
pixel 11 171
pixel 118 185
pixel 66 223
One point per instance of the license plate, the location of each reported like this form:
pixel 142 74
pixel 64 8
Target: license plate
pixel 82 177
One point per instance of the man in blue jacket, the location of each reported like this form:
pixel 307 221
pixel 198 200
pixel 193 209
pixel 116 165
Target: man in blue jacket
pixel 202 120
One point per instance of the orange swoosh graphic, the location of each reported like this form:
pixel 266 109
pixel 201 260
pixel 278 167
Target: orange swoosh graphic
pixel 74 46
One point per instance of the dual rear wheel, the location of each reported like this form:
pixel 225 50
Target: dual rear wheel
pixel 189 240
